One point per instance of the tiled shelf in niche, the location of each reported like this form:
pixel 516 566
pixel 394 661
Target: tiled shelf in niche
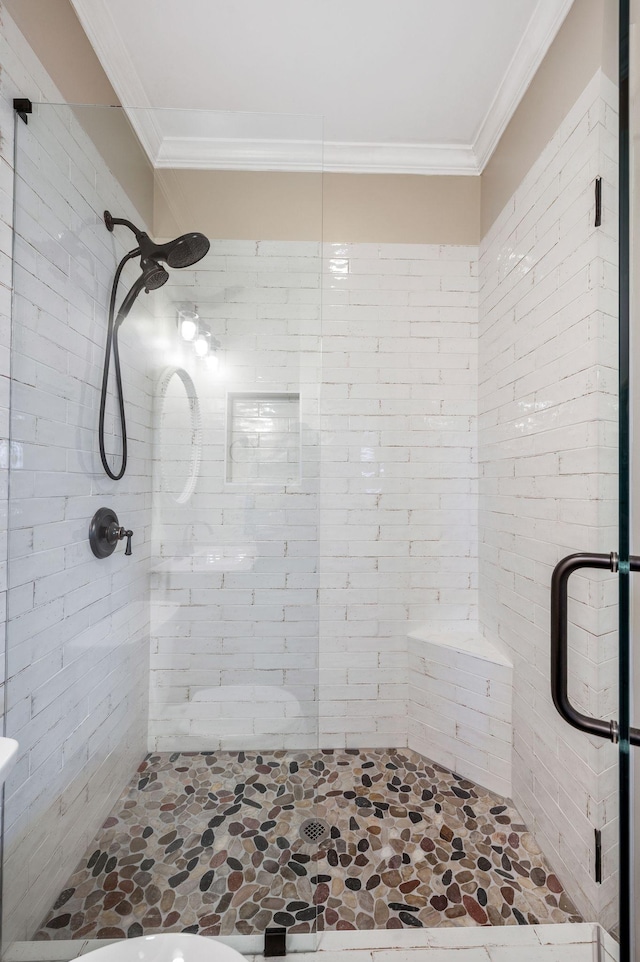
pixel 263 438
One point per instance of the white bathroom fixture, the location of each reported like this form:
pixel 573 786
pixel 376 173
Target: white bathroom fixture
pixel 188 324
pixel 169 947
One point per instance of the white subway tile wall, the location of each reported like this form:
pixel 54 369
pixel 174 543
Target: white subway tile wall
pixel 548 463
pixel 398 523
pixel 388 467
pixel 78 628
pixel 234 585
pixel 22 75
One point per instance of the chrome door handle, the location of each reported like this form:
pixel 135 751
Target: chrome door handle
pixel 559 646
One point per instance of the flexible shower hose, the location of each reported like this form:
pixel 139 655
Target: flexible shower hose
pixel 112 341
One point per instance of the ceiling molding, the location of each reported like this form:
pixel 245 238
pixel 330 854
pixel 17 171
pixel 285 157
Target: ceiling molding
pixel 287 155
pixel 541 31
pixel 306 155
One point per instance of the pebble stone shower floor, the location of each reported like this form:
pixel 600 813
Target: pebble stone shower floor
pixel 210 843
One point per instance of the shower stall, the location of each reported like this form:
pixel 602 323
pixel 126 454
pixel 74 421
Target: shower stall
pixel 313 694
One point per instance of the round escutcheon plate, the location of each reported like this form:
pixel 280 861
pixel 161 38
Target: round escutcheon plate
pixel 99 540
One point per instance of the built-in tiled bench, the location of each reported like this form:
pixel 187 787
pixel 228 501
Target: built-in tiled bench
pixel 460 704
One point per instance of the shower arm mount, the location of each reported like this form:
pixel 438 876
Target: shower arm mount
pixel 111 222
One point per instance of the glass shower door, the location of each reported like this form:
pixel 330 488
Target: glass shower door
pixel 617 723
pixel 606 572
pixel 630 472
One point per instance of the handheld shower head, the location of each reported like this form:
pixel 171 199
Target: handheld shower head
pixel 181 252
pixel 153 274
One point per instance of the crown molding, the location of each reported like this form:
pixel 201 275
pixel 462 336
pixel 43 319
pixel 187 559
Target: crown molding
pixel 307 155
pixel 287 155
pixel 546 20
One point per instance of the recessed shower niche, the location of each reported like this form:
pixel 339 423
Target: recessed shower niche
pixel 263 438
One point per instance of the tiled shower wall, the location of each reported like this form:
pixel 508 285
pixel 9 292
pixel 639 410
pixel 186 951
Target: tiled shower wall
pixel 78 628
pixel 388 470
pixel 399 496
pixel 235 572
pixel 547 449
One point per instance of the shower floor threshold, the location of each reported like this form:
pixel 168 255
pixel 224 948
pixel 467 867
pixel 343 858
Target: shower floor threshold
pixel 210 843
pixel 582 942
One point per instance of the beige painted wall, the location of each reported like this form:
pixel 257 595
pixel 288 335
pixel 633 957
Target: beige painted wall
pixel 70 59
pixel 399 208
pixel 58 40
pixel 586 41
pixel 353 208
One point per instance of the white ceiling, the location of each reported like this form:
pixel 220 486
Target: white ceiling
pixel 409 86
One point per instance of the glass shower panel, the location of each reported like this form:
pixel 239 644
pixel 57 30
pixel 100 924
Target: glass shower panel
pixel 78 629
pixel 165 702
pixel 234 576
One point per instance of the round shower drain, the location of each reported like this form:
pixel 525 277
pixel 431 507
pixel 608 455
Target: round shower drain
pixel 314 830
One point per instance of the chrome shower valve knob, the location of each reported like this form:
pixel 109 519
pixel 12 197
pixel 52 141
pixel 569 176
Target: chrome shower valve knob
pixel 105 531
